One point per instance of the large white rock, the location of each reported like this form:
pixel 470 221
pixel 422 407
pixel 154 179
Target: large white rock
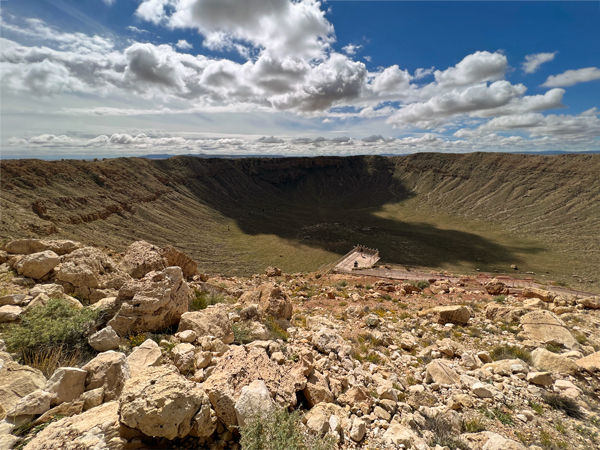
pixel 10 313
pixel 104 340
pixel 89 272
pixel 158 401
pixel 440 372
pixel 254 399
pixel 37 265
pixel 98 428
pixel 108 370
pixel 208 322
pixel 146 355
pixel 28 246
pixel 153 303
pixel 140 258
pixel 271 301
pixel 38 402
pixel 17 381
pixel 398 435
pixel 545 326
pixel 66 384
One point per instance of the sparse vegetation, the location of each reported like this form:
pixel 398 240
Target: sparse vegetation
pixel 421 284
pixel 499 299
pixel 136 339
pixel 569 406
pixel 280 430
pixel 473 426
pixel 275 329
pixel 203 299
pixel 510 352
pixel 52 335
pixel 241 334
pixel 442 434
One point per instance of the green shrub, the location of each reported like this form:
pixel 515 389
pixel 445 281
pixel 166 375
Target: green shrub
pixel 500 298
pixel 553 348
pixel 473 426
pixel 569 406
pixel 510 352
pixel 241 334
pixel 421 284
pixel 536 407
pixel 57 324
pixel 136 340
pixel 442 434
pixel 203 299
pixel 275 329
pixel 280 430
pixel 341 284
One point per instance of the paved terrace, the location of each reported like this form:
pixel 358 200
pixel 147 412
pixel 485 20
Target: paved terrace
pixel 364 257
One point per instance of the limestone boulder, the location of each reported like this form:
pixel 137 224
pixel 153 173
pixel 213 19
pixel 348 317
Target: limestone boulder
pixel 174 257
pixel 38 402
pixel 109 370
pixel 153 303
pixel 37 265
pixel 29 246
pixel 542 294
pixel 407 288
pixel 439 371
pixel 66 384
pixel 184 357
pixel 146 355
pixel 254 399
pixel 543 359
pixel 89 272
pixel 13 300
pixel 508 314
pixel 272 272
pixel 317 389
pixel 98 428
pixel 399 435
pixel 496 287
pixel 546 327
pixel 239 367
pixel 440 287
pixel 358 429
pixel 457 315
pixel 327 341
pixel 159 402
pixel 271 301
pixel 355 397
pixel 208 322
pixel 10 313
pixel 16 382
pixel 589 302
pixel 590 362
pixel 141 258
pixel 540 378
pixel 104 340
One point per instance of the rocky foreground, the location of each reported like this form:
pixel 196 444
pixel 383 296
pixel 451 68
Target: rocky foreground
pixel 165 357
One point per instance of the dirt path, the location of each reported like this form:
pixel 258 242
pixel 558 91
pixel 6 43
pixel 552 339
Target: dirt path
pixel 516 284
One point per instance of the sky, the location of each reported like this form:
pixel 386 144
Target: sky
pixel 104 78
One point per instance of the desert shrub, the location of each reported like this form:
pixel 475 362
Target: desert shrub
pixel 275 329
pixel 421 284
pixel 136 340
pixel 510 352
pixel 442 434
pixel 500 298
pixel 341 284
pixel 280 430
pixel 53 330
pixel 241 334
pixel 473 426
pixel 565 404
pixel 203 299
pixel 581 338
pixel 496 413
pixel 553 348
pixel 548 442
pixel 48 359
pixel 536 407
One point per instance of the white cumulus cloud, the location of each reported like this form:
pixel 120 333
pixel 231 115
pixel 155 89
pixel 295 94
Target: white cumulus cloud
pixel 183 45
pixel 533 62
pixel 572 77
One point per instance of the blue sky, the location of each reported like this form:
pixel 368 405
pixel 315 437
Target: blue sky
pixel 95 78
